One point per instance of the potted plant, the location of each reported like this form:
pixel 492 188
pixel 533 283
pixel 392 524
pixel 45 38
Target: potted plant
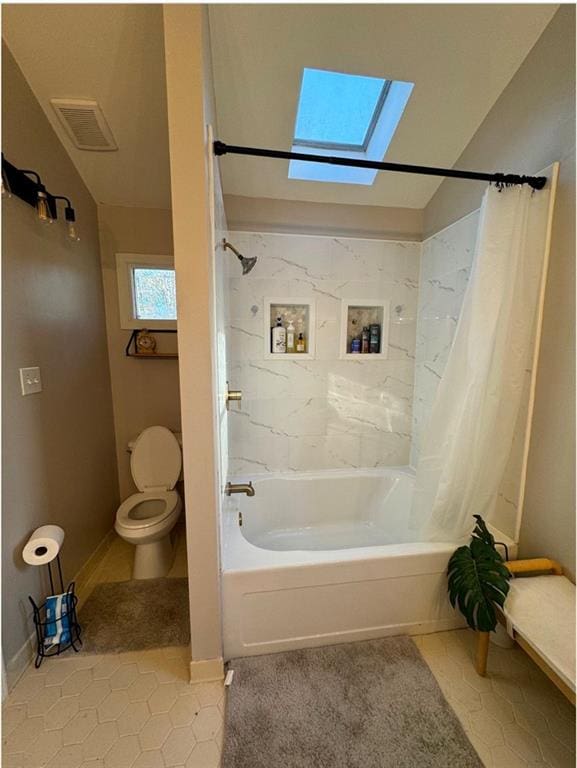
pixel 478 581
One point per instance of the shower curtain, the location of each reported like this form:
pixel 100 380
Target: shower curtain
pixel 472 421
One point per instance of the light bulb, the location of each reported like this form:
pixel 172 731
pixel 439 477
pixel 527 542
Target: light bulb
pixel 43 209
pixel 71 231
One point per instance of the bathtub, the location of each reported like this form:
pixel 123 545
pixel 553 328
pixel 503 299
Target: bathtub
pixel 328 557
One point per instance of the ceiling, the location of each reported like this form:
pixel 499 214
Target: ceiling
pixel 113 53
pixel 460 58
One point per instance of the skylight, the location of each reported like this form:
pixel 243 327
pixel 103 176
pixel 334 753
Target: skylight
pixel 338 110
pixel 347 116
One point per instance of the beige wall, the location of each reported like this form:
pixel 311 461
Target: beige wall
pixel 532 125
pixel 58 446
pixel 145 392
pixel 189 90
pixel 261 214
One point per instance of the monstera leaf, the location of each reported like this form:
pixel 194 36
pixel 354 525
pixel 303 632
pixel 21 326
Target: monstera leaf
pixel 478 579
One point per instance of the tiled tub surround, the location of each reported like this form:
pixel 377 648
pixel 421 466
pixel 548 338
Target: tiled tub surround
pixel 321 413
pixel 445 269
pixel 446 262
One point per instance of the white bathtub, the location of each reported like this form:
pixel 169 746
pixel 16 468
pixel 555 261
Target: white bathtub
pixel 327 557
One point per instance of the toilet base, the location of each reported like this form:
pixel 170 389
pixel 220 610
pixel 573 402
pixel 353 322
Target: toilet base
pixel 154 560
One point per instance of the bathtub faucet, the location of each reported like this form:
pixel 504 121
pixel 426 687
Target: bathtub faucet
pixel 239 488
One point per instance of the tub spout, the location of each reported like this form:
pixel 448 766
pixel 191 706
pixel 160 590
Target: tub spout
pixel 239 488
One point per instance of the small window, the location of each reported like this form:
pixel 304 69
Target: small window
pixel 146 291
pixel 345 115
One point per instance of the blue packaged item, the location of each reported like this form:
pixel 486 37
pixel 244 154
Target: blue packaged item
pixel 58 608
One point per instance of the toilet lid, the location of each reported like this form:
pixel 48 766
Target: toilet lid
pixel 156 460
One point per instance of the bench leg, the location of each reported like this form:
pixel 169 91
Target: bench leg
pixel 482 653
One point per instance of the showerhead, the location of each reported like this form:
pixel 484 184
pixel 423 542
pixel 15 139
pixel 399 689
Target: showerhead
pixel 247 262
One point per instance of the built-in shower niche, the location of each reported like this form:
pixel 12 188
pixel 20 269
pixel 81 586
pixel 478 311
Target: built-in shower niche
pixel 357 314
pixel 302 314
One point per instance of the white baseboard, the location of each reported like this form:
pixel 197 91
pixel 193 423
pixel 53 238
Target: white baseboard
pixel 83 576
pixel 21 660
pixel 206 670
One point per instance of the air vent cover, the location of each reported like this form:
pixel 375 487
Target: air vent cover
pixel 85 124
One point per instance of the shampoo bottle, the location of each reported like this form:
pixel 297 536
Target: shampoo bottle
pixel 290 337
pixel 278 338
pixel 301 343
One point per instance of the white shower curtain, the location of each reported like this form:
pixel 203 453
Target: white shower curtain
pixel 472 421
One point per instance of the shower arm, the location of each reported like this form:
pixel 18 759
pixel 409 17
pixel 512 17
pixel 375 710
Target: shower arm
pixel 535 182
pixel 226 244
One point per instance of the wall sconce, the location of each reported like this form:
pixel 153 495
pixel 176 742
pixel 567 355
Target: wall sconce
pixel 18 182
pixel 70 218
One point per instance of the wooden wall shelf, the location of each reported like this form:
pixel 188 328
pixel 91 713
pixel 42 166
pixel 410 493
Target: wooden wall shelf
pixel 131 351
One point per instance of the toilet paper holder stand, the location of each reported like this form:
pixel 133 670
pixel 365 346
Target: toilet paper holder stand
pixel 66 621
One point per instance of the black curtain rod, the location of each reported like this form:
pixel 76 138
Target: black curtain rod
pixel 536 182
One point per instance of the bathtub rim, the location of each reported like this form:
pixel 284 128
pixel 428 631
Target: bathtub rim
pixel 238 555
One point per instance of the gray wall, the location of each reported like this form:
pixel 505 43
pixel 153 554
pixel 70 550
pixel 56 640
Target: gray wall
pixel 145 392
pixel 532 125
pixel 58 446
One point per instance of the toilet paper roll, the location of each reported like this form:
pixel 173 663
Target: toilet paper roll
pixel 43 546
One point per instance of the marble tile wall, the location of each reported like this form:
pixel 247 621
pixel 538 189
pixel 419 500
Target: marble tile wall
pixel 320 413
pixel 445 269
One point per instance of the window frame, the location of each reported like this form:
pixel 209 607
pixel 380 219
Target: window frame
pixel 368 133
pixel 125 265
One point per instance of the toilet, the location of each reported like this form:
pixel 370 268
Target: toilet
pixel 147 518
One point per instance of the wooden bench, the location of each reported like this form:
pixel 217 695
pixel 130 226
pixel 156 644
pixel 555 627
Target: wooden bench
pixel 539 615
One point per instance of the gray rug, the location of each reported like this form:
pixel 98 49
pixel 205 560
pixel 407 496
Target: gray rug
pixel 373 704
pixel 135 615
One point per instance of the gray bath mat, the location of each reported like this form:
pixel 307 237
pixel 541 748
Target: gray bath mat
pixel 373 704
pixel 135 615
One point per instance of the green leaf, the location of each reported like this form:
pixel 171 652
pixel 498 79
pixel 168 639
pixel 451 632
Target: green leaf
pixel 478 579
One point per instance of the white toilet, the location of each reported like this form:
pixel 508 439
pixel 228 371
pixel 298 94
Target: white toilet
pixel 147 518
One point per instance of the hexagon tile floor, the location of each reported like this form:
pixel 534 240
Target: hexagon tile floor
pixel 137 710
pixel 514 717
pixel 133 710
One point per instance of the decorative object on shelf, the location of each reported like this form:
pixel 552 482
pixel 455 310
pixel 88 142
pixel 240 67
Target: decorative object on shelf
pixel 32 191
pixel 145 343
pixel 142 343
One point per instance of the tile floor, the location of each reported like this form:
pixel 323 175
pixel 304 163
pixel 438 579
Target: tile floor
pixel 514 717
pixel 138 710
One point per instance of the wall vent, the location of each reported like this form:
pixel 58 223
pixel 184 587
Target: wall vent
pixel 85 124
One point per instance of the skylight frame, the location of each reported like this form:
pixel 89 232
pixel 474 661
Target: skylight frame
pixel 380 103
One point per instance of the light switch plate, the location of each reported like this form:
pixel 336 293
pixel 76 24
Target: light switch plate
pixel 30 381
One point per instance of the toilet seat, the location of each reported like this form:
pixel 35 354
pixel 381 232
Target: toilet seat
pixel 156 460
pixel 170 499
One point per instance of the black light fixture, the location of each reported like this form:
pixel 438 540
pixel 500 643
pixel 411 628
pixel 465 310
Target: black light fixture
pixel 32 191
pixel 70 217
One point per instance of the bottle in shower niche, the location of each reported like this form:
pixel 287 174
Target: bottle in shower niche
pixel 301 343
pixel 278 338
pixel 365 340
pixel 375 338
pixel 290 338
